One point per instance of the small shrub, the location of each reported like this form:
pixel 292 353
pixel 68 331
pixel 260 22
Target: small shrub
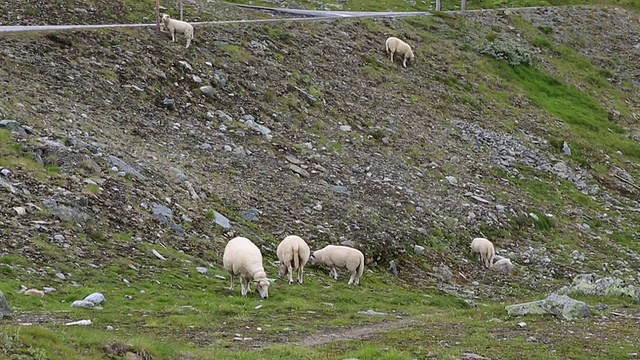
pixel 515 54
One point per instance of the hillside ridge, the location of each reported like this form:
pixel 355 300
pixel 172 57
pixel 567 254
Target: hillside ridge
pixel 126 142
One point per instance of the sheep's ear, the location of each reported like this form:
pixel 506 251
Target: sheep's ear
pixel 272 280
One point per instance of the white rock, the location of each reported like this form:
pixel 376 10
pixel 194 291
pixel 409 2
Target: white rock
pixel 96 298
pixel 157 254
pixel 80 322
pixel 83 304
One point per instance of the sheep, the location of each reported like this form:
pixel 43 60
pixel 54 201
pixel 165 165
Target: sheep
pixel 504 265
pixel 293 253
pixel 181 27
pixel 334 256
pixel 242 258
pixel 484 247
pixel 395 45
pixel 34 292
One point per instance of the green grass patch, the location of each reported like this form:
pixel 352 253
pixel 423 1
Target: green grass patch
pixel 237 52
pixel 15 158
pixel 585 116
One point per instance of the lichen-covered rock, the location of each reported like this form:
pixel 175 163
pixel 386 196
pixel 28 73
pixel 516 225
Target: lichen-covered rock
pixel 588 284
pixel 558 305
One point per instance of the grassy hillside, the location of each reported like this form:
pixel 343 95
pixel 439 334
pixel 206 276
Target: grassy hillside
pixel 455 146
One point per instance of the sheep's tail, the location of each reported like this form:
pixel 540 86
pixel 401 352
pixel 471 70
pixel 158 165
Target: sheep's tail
pixel 492 255
pixel 360 268
pixel 296 258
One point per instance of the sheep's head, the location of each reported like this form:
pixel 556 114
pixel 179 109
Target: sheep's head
pixel 283 269
pixel 312 258
pixel 165 17
pixel 262 285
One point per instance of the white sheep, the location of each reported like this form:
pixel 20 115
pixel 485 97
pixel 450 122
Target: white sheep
pixel 504 265
pixel 395 45
pixel 293 253
pixel 485 248
pixel 242 258
pixel 178 26
pixel 334 257
pixel 34 292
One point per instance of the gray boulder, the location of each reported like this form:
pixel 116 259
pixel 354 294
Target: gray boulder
pixel 5 310
pixel 504 265
pixel 560 306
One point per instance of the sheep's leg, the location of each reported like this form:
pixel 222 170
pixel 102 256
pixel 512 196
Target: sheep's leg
pixel 353 276
pixel 335 273
pixel 300 271
pixel 188 43
pixel 231 288
pixel 404 62
pixel 173 34
pixel 244 285
pixel 290 270
pixel 392 52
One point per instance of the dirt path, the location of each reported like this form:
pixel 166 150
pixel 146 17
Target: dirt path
pixel 354 333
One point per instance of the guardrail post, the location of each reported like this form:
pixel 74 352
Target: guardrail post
pixel 438 5
pixel 158 15
pixel 180 10
pixel 463 4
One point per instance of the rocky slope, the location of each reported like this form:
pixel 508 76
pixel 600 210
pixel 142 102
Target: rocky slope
pixel 307 128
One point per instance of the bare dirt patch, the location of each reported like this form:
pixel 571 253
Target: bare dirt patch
pixel 353 333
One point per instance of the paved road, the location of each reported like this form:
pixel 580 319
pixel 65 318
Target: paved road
pixel 307 15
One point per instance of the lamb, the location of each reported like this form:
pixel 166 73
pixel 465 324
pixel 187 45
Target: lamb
pixel 293 253
pixel 181 27
pixel 484 247
pixel 395 45
pixel 334 256
pixel 242 258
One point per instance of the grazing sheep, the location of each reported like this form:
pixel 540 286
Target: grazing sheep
pixel 178 26
pixel 504 265
pixel 395 45
pixel 293 253
pixel 484 247
pixel 34 292
pixel 242 258
pixel 334 256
